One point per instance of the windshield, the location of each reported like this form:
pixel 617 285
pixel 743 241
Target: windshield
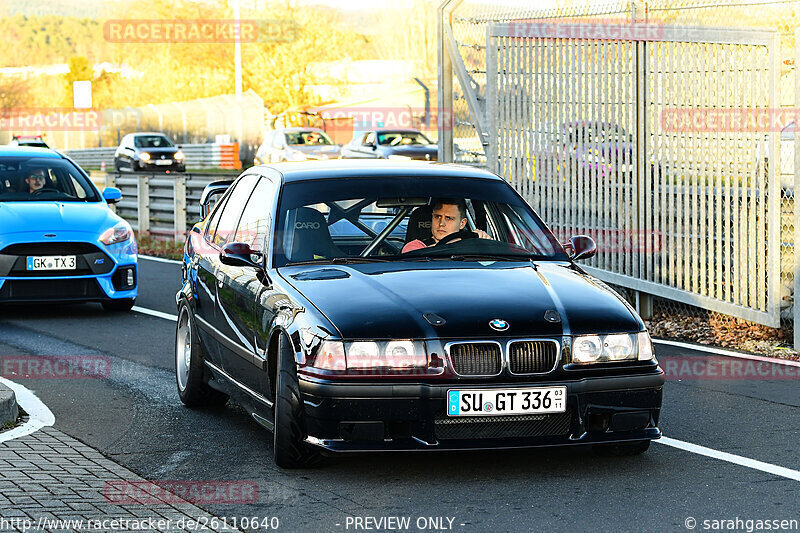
pixel 408 218
pixel 42 179
pixel 402 138
pixel 311 137
pixel 151 141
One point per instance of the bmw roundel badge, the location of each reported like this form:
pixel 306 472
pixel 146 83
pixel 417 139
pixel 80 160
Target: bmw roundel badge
pixel 498 324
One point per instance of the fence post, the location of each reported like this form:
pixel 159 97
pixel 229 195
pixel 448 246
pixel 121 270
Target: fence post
pixel 795 207
pixel 644 301
pixel 179 213
pixel 143 211
pixel 445 96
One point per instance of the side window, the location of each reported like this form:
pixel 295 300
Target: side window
pixel 211 228
pixel 232 210
pixel 79 190
pixel 257 216
pixel 369 139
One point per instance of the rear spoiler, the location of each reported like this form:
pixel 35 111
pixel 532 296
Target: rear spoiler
pixel 211 194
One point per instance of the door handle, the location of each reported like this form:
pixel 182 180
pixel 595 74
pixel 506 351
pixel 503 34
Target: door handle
pixel 220 279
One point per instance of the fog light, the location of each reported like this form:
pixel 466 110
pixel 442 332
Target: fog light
pixel 129 278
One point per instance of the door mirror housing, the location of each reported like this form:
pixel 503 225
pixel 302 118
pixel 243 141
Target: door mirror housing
pixel 240 254
pixel 582 246
pixel 112 195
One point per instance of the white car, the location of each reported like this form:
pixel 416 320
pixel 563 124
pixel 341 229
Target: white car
pixel 296 144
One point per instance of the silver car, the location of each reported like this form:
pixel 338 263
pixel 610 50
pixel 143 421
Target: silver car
pixel 296 144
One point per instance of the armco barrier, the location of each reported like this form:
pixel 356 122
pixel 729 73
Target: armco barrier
pixel 160 204
pixel 198 156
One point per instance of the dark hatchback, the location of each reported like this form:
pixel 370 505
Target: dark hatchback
pixel 298 302
pixel 148 152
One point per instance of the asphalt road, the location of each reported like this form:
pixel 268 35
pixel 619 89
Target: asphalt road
pixel 134 417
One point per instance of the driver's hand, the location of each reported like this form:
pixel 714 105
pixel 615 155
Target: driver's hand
pixel 482 234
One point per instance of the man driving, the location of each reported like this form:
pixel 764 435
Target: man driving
pixel 36 180
pixel 449 216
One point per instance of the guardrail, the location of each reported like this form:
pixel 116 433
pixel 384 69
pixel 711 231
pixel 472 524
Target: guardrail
pixel 159 204
pixel 200 156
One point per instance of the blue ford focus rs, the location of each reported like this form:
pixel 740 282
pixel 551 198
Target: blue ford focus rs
pixel 59 240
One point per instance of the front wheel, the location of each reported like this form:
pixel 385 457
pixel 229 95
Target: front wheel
pixel 289 448
pixel 621 449
pixel 123 304
pixel 193 391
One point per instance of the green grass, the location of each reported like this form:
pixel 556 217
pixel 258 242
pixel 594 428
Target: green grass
pixel 159 246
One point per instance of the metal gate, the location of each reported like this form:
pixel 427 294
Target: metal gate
pixel 649 138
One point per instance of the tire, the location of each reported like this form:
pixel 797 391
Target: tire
pixel 621 449
pixel 192 389
pixel 289 448
pixel 117 166
pixel 123 304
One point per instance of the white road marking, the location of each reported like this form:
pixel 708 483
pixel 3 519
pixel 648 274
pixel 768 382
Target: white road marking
pixel 152 312
pixel 731 458
pixel 159 259
pixel 38 413
pixel 728 353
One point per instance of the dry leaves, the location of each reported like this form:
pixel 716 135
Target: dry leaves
pixel 724 331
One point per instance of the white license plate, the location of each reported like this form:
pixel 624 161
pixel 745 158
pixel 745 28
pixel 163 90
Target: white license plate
pixel 493 402
pixel 51 262
pixel 163 161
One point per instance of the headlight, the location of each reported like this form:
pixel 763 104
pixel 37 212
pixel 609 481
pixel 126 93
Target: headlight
pixel 331 356
pixel 588 349
pixel 119 233
pixel 374 357
pixel 179 155
pixel 144 156
pixel 399 157
pixel 645 347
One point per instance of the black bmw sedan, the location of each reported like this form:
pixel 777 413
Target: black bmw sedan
pixel 379 306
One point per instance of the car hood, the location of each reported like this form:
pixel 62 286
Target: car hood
pixel 389 300
pixel 331 150
pixel 418 151
pixel 55 217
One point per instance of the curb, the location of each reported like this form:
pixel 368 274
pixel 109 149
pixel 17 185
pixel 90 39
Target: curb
pixel 8 406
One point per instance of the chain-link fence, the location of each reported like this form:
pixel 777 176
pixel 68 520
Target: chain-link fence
pixel 650 126
pixel 191 122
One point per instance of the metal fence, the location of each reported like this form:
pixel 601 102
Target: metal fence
pixel 200 121
pixel 197 156
pixel 161 205
pixel 632 123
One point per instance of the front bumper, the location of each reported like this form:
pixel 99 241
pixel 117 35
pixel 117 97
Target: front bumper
pixel 102 273
pixel 354 417
pixel 150 166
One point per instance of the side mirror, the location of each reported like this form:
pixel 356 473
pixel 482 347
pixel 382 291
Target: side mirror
pixel 112 195
pixel 583 247
pixel 240 254
pixel 374 146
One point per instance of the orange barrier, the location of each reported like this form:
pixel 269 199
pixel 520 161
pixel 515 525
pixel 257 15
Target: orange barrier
pixel 229 156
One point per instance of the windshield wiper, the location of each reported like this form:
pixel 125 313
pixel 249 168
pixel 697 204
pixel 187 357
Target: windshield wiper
pixel 489 257
pixel 340 261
